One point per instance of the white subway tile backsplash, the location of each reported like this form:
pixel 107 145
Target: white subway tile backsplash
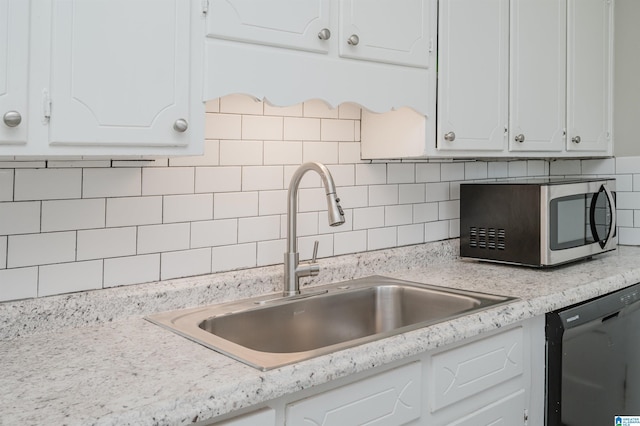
pixel 498 170
pixel 256 178
pixel 20 217
pixel 350 242
pixel 451 171
pixel 185 263
pixel 349 153
pixel 235 204
pixel 301 129
pixel 105 243
pixel 383 195
pixel 401 173
pixel 218 179
pixel 369 217
pixel 162 238
pixel 260 228
pixel 436 231
pixel 47 184
pixel 337 130
pixel 115 182
pixel 228 258
pixel 69 277
pixel 565 167
pixel 67 215
pixel 411 193
pixel 475 170
pixel 213 233
pixel 130 211
pixel 323 152
pixel 425 212
pixel 518 169
pixel 627 165
pixel 398 215
pixel 277 152
pixel 131 270
pixel 262 128
pixel 427 172
pixel 6 185
pixel 168 180
pixel 449 210
pixel 19 283
pixel 134 221
pixel 271 252
pixel 241 153
pixel 410 234
pixel 437 191
pixel 41 249
pixel 3 252
pixel 187 208
pixel 371 174
pixel 223 126
pixel 381 238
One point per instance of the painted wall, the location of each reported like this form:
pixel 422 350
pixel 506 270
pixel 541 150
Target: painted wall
pixel 72 225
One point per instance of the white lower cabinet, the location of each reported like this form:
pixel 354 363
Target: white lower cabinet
pixel 492 379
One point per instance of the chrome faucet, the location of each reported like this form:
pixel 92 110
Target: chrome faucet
pixel 293 268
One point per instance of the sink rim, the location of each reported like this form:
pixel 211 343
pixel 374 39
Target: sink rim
pixel 186 322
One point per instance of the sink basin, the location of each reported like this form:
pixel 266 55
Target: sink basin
pixel 268 332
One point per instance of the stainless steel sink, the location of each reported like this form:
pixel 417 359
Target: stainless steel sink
pixel 268 332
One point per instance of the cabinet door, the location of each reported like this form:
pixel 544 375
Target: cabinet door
pixel 388 31
pixel 14 70
pixel 508 411
pixel 589 63
pixel 473 68
pixel 284 23
pixel 538 75
pixel 120 72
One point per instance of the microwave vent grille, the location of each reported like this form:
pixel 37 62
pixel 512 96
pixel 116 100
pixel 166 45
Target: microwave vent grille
pixel 487 238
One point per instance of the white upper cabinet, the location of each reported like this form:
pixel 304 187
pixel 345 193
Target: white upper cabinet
pixel 387 31
pixel 379 54
pixel 538 75
pixel 285 23
pixel 111 77
pixel 589 91
pixel 14 70
pixel 473 75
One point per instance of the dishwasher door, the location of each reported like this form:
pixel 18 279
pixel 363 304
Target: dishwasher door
pixel 593 361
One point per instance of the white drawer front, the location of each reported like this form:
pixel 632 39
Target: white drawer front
pixel 391 398
pixel 506 412
pixel 475 367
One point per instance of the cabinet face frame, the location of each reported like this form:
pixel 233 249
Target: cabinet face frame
pixel 464 44
pixel 14 68
pixel 590 75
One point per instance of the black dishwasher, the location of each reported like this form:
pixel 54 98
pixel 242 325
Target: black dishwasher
pixel 593 360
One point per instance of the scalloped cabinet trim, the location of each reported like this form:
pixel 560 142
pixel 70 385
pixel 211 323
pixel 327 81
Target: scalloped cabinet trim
pixel 380 55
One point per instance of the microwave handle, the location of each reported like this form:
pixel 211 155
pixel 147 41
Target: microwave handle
pixel 608 241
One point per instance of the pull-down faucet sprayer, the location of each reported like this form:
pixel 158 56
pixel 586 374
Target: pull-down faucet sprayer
pixel 293 269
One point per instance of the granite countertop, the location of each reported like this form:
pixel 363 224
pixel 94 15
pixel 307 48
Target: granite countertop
pixel 91 359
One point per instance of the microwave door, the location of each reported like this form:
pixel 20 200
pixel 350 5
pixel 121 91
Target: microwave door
pixel 602 217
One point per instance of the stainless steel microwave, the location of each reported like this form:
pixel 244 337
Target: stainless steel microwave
pixel 537 222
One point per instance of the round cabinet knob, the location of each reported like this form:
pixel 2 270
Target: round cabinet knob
pixel 450 137
pixel 353 40
pixel 12 118
pixel 519 138
pixel 576 139
pixel 181 125
pixel 324 34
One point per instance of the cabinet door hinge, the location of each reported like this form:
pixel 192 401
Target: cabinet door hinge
pixel 526 417
pixel 46 105
pixel 430 45
pixel 205 7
